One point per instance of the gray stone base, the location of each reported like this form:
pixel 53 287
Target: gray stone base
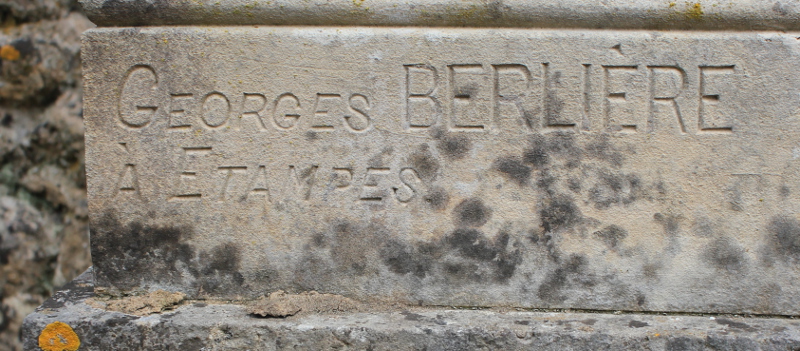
pixel 202 326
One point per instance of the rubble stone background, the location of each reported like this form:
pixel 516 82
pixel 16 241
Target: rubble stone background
pixel 43 214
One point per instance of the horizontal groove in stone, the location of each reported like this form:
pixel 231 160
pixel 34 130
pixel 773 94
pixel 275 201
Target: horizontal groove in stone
pixel 611 14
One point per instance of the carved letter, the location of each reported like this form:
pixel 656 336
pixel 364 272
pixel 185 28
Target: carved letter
pixel 287 111
pixel 422 107
pixel 718 85
pixel 359 105
pixel 137 102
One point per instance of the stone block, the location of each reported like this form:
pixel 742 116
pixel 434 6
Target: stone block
pixel 201 326
pixel 602 170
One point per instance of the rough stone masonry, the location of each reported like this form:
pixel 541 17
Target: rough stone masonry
pixel 570 168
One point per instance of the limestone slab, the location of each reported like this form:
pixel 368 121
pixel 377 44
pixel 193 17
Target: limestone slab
pixel 605 170
pixel 619 14
pixel 201 326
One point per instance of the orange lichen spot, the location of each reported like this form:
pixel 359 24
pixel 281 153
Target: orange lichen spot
pixel 58 336
pixel 8 52
pixel 694 11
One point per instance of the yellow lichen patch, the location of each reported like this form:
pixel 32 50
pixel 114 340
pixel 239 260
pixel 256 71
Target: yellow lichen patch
pixel 694 11
pixel 8 52
pixel 358 2
pixel 58 336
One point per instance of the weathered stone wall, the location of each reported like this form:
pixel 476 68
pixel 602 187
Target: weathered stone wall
pixel 43 215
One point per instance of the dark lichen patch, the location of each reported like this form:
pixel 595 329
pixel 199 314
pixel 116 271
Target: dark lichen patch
pixel 351 243
pixel 684 343
pixel 137 255
pixel 471 213
pixel 473 245
pixel 401 258
pixel 464 255
pixel 612 235
pixel 423 161
pixel 536 154
pixel 453 146
pixel 735 324
pixel 572 271
pixel 437 198
pixel 784 191
pixel 784 235
pixel 514 169
pixel 126 254
pixel 379 160
pixel 602 149
pixel 311 135
pixel 670 223
pixel 574 185
pixel 725 254
pixel 615 188
pixel 559 214
pixel 637 324
pixel 220 269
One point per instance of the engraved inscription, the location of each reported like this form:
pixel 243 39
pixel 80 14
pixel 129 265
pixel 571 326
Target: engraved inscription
pixel 187 187
pixel 137 104
pixel 466 97
pixel 717 90
pixel 422 106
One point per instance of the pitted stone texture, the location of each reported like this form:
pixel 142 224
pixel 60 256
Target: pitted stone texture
pixel 619 14
pixel 201 326
pixel 643 171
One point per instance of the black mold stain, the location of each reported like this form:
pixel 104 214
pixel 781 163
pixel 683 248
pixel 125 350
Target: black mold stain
pixel 640 299
pixel 522 322
pixel 567 273
pixel 424 163
pixel 473 245
pixel 574 185
pixel 612 235
pixel 784 191
pixel 735 324
pixel 637 324
pixel 379 160
pixel 471 213
pixel 602 149
pixel 453 146
pixel 221 268
pixel 24 46
pixel 311 135
pixel 403 259
pixel 724 253
pixel 615 189
pixel 684 343
pixel 350 242
pixel 784 234
pixel 123 255
pixel 464 255
pixel 536 154
pixel 514 169
pixel 670 223
pixel 437 198
pixel 134 255
pixel 561 213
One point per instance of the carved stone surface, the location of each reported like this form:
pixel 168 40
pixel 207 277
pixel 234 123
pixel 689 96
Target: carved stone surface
pixel 608 170
pixel 201 326
pixel 629 14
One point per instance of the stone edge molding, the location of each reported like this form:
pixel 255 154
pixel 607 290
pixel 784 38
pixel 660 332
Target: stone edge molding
pixel 610 14
pixel 231 328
